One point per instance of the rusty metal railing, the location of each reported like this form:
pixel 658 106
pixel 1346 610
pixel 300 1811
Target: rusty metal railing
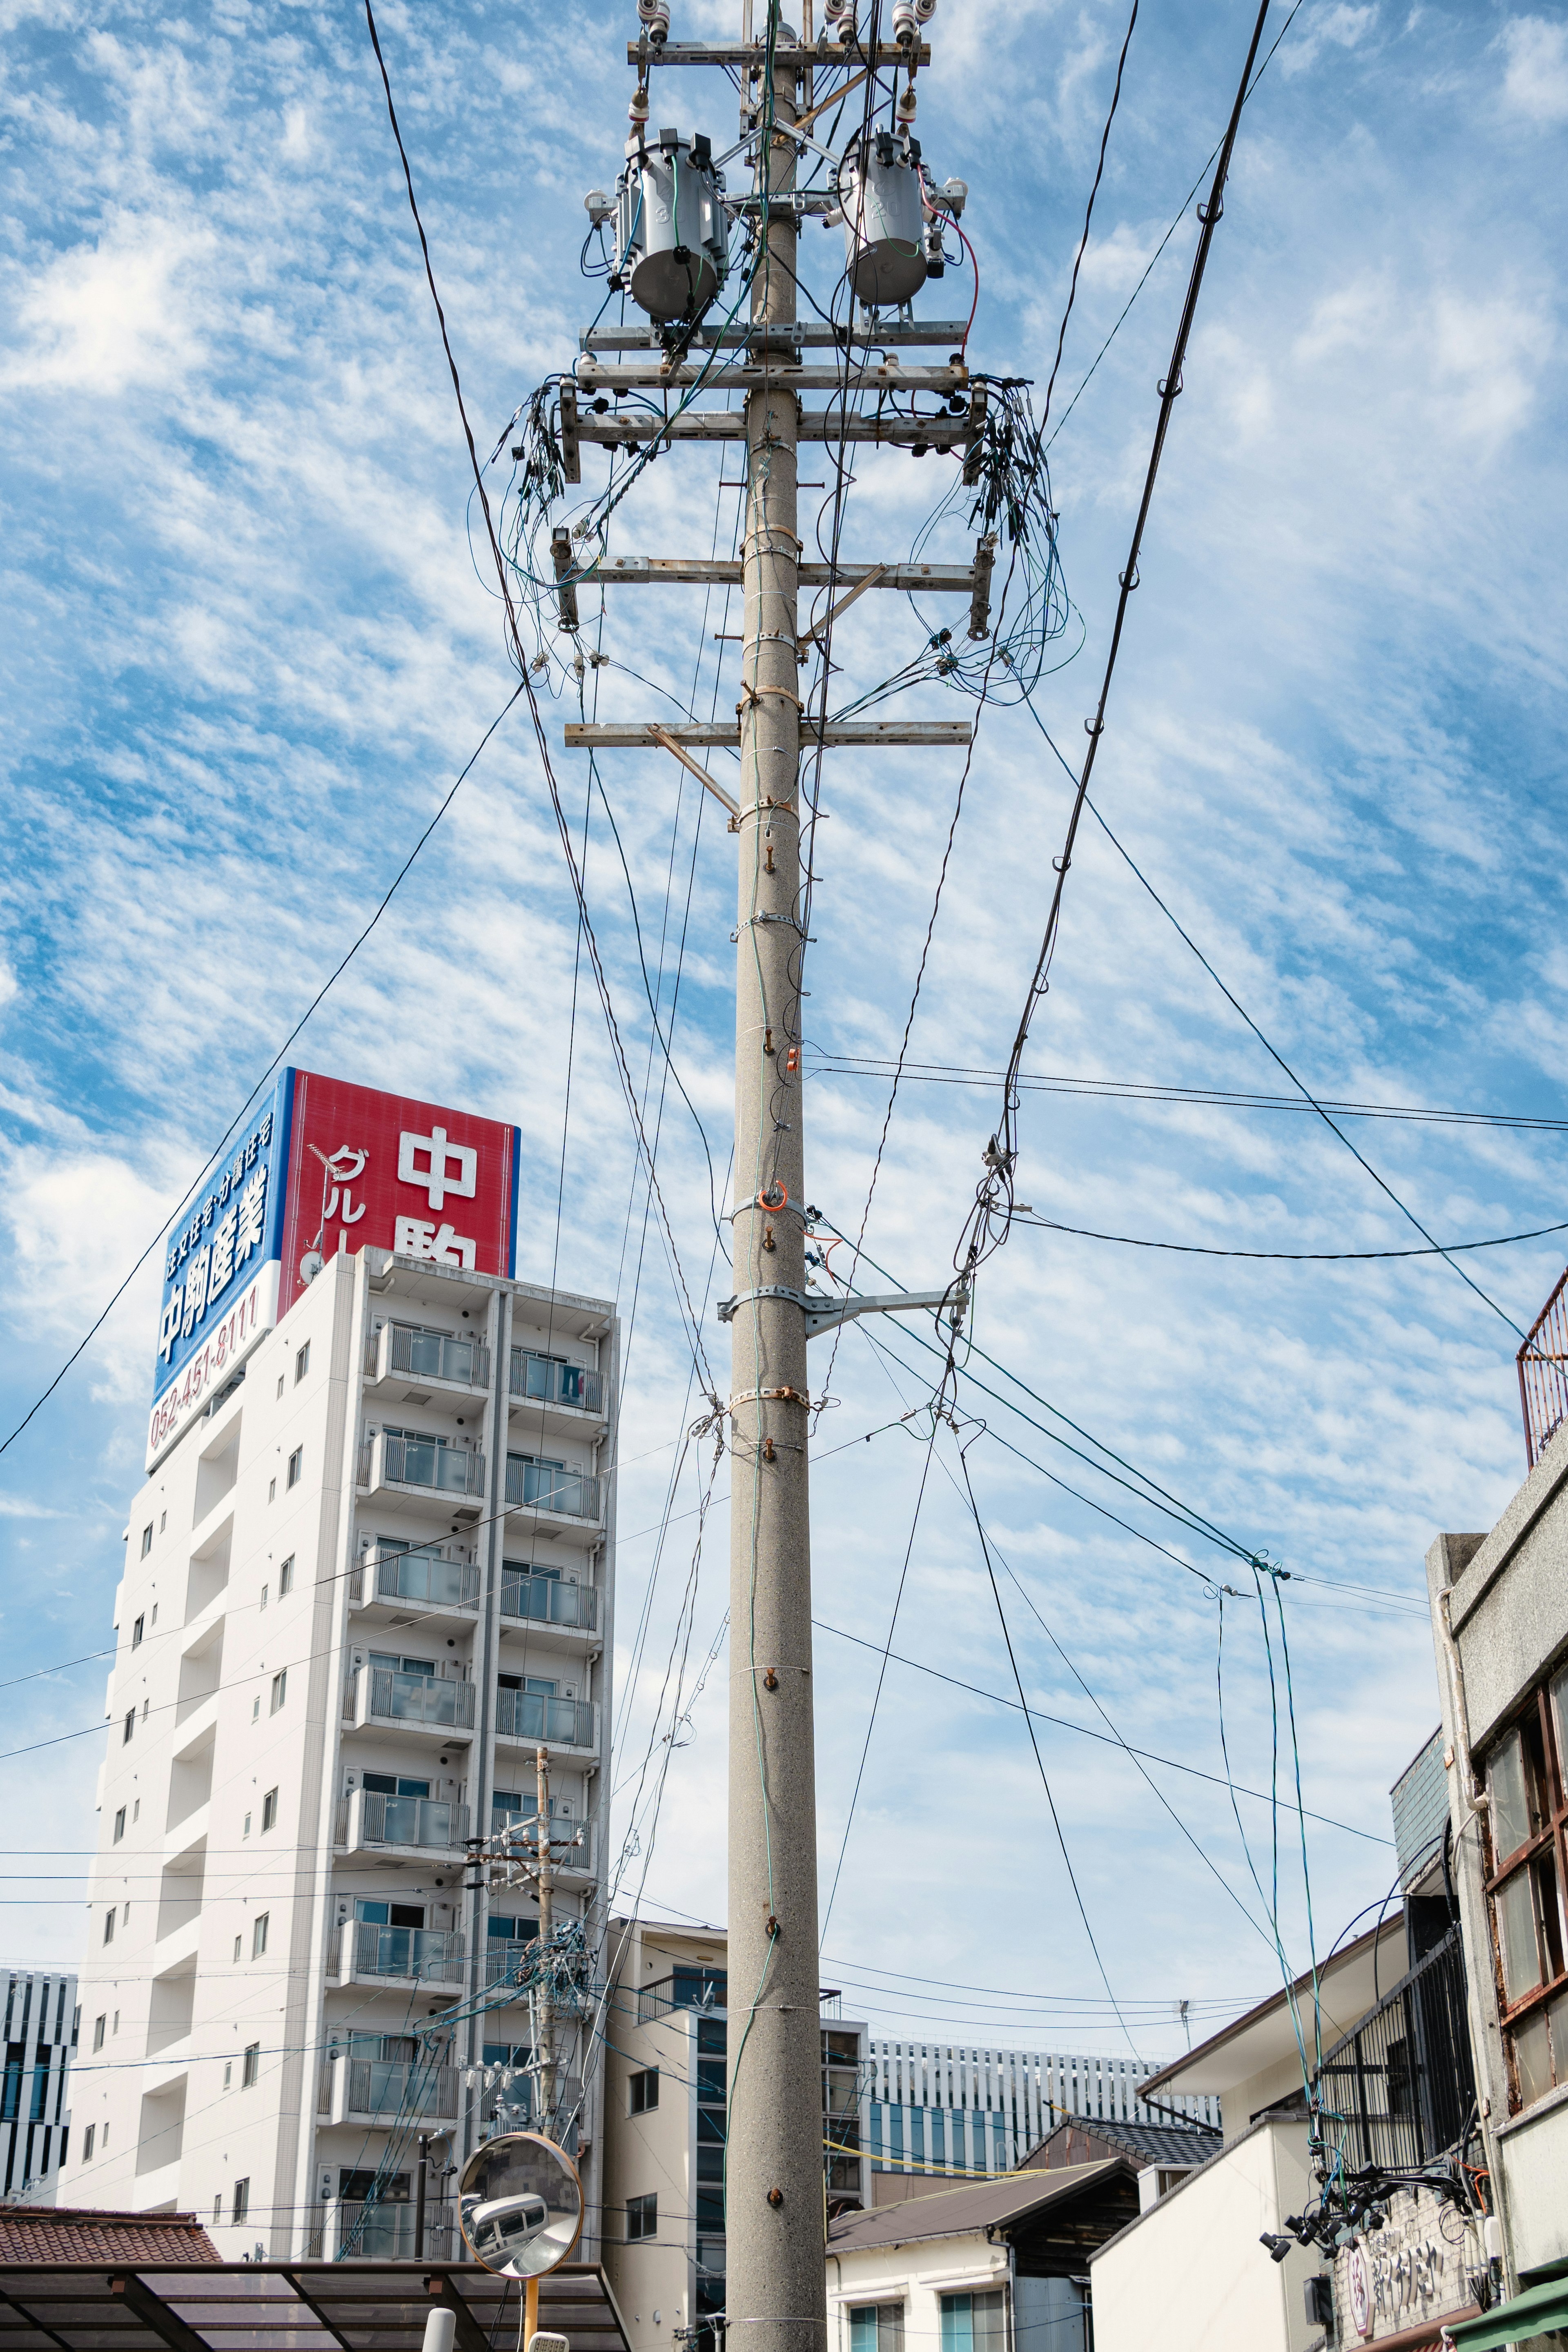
pixel 1543 1373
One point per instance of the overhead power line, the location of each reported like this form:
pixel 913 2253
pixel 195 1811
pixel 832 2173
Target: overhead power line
pixel 1285 1257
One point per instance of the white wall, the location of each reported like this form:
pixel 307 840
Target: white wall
pixel 1191 2276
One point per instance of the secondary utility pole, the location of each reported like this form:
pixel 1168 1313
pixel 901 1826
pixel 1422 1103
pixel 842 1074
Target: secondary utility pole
pixel 775 2276
pixel 543 2009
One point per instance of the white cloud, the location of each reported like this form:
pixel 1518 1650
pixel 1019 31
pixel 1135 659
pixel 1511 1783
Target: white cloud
pixel 112 314
pixel 1535 78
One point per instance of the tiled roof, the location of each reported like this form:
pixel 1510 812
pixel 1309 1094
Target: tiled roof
pixel 81 2234
pixel 1170 2143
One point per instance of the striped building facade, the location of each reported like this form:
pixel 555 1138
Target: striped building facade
pixel 944 2107
pixel 40 2035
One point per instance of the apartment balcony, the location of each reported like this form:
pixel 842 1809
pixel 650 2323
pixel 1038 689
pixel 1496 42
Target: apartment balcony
pixel 413 1365
pixel 386 2091
pixel 543 1722
pixel 549 1601
pixel 391 1583
pixel 381 1698
pixel 350 2230
pixel 1401 2082
pixel 542 1388
pixel 551 1495
pixel 423 1470
pixel 368 1954
pixel 425 1828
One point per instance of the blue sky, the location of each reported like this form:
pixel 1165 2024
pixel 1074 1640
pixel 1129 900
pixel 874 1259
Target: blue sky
pixel 246 647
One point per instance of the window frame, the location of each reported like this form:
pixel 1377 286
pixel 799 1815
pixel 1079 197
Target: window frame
pixel 250 2071
pixel 286 1577
pixel 642 2218
pixel 258 1928
pixel 642 2092
pixel 279 1690
pixel 268 1811
pixel 296 1470
pixel 1533 1720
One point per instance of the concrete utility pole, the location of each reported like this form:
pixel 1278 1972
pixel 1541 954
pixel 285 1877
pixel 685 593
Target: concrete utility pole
pixel 776 2279
pixel 544 2021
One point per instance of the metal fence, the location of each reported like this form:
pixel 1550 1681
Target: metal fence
pixel 1398 2089
pixel 1543 1374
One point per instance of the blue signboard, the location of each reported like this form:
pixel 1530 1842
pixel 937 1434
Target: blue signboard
pixel 226 1235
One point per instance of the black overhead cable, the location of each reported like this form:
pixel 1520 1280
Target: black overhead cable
pixel 694 1328
pixel 1285 1257
pixel 1003 1152
pixel 1083 241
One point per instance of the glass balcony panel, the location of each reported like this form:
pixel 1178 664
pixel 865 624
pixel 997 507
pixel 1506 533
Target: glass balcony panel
pixel 439 1356
pixel 427 1952
pixel 420 1698
pixel 423 1576
pixel 547 1380
pixel 426 1462
pixel 386 2086
pixel 548 1600
pixel 530 1714
pixel 383 2232
pixel 429 1822
pixel 546 1486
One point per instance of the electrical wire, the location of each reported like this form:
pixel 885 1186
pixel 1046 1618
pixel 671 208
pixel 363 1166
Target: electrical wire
pixel 1286 1257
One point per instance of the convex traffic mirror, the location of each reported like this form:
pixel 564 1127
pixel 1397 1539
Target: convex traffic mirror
pixel 520 2205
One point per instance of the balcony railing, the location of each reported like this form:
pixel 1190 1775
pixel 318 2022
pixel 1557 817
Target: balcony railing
pixel 426 1955
pixel 1543 1374
pixel 530 1714
pixel 367 1817
pixel 506 1963
pixel 548 1600
pixel 432 1356
pixel 546 1380
pixel 387 1695
pixel 417 1575
pixel 540 1486
pixel 352 2231
pixel 1396 2091
pixel 389 2086
pixel 425 1462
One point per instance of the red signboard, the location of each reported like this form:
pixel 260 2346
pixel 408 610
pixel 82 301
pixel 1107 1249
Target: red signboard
pixel 393 1173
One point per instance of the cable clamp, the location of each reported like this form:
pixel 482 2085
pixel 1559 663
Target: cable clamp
pixel 809 937
pixel 749 693
pixel 730 1308
pixel 771 1396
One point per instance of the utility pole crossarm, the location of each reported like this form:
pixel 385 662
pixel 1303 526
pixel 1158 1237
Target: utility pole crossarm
pixel 823 1314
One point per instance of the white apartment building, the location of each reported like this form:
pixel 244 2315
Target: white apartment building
pixel 938 2107
pixel 667 2057
pixel 367 1584
pixel 35 2114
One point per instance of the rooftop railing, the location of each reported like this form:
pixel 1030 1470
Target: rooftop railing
pixel 1397 2090
pixel 547 1380
pixel 541 1486
pixel 548 1600
pixel 1543 1374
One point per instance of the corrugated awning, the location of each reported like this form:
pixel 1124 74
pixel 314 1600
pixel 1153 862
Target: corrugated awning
pixel 352 2307
pixel 1536 2311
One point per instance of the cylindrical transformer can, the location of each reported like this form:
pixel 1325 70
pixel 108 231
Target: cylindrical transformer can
pixel 671 234
pixel 884 228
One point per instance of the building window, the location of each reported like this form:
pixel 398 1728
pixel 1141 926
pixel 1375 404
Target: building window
pixel 286 1577
pixel 280 1685
pixel 99 2028
pixel 642 2219
pixel 270 1810
pixel 263 1601
pixel 250 2070
pixel 136 1633
pixel 272 1489
pixel 1527 1837
pixel 973 2323
pixel 301 1363
pixel 241 2201
pixel 644 2089
pixel 109 1926
pixel 146 1538
pixel 87 2142
pixel 130 1727
pixel 238 1947
pixel 876 2327
pixel 119 1825
pixel 296 1465
pixel 217 2211
pixel 254 1717
pixel 259 1935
